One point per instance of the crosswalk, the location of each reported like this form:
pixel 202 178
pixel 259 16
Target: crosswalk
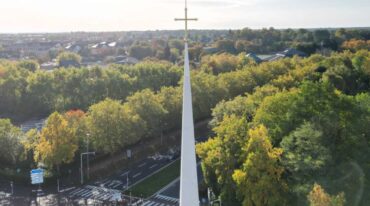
pixel 94 192
pixel 159 200
pixel 4 198
pixel 112 184
pixel 167 199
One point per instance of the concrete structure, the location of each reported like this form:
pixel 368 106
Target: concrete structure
pixel 188 178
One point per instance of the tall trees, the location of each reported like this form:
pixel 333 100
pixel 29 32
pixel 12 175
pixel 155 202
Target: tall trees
pixel 318 197
pixel 260 180
pixel 305 156
pixel 106 126
pixel 25 93
pixel 318 125
pixel 321 35
pixel 356 44
pixel 57 142
pixel 140 51
pixel 30 65
pixel 225 46
pixel 148 107
pixel 221 63
pixel 221 155
pixel 69 59
pixel 11 149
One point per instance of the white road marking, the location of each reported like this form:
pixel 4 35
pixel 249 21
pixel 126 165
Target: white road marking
pixel 137 174
pixel 141 165
pixel 153 166
pixel 123 174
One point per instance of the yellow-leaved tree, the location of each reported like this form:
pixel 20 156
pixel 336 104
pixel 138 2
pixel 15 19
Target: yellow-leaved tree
pixel 259 180
pixel 57 142
pixel 318 197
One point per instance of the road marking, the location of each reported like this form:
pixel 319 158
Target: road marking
pixel 75 191
pixel 117 184
pixel 170 199
pixel 67 189
pixel 141 165
pixel 124 174
pixel 153 166
pixel 79 191
pixel 136 175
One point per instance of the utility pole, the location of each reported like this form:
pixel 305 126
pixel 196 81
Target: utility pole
pixel 58 185
pixel 87 151
pixel 127 181
pixel 82 174
pixel 12 187
pixel 129 155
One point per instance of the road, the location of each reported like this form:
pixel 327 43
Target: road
pixel 102 191
pixel 106 190
pixel 170 194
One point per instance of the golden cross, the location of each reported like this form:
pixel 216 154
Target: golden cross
pixel 186 19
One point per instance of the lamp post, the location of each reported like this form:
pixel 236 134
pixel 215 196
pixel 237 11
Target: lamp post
pixel 129 155
pixel 12 187
pixel 87 158
pixel 82 174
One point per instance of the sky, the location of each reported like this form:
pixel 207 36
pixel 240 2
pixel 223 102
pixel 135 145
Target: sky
pixel 125 15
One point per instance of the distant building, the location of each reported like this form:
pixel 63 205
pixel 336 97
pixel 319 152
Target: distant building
pixel 126 60
pixel 75 48
pixel 104 48
pixel 254 57
pixel 288 53
pixel 49 65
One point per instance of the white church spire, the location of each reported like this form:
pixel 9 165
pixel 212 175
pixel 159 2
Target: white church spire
pixel 188 178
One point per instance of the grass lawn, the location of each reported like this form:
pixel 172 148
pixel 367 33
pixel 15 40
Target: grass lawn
pixel 156 182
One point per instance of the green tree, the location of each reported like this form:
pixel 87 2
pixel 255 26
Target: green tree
pixel 146 105
pixel 113 126
pixel 221 155
pixel 140 51
pixel 305 156
pixel 29 65
pixel 260 180
pixel 57 142
pixel 220 63
pixel 171 100
pixel 69 59
pixel 321 35
pixel 11 149
pixel 225 46
pixel 106 125
pixel 242 106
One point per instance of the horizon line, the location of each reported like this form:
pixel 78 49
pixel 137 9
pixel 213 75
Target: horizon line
pixel 209 29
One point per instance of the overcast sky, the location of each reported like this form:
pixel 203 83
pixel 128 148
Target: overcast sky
pixel 123 15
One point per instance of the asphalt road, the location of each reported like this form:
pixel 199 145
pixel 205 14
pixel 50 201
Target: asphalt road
pixel 108 188
pixel 104 190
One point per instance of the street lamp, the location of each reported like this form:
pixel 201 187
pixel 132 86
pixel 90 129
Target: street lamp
pixel 12 187
pixel 87 151
pixel 82 174
pixel 129 155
